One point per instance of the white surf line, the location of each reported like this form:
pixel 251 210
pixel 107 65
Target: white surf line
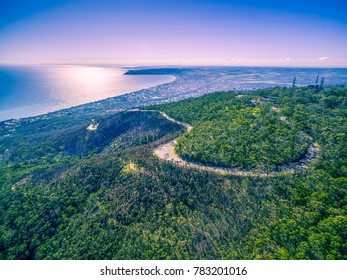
pixel 167 152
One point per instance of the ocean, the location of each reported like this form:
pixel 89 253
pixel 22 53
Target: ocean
pixel 34 90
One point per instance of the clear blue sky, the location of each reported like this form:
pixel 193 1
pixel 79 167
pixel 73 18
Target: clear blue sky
pixel 186 32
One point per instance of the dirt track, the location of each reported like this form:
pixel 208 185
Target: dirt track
pixel 167 152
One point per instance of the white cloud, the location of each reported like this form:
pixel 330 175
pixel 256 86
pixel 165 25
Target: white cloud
pixel 323 58
pixel 232 58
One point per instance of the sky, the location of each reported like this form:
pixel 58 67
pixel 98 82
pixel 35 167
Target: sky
pixel 180 32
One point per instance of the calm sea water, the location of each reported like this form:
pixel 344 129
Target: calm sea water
pixel 29 91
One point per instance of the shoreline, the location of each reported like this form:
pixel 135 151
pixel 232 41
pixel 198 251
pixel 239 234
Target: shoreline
pixel 27 111
pixel 182 83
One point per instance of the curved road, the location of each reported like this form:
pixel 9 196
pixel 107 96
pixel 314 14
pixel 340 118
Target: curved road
pixel 167 152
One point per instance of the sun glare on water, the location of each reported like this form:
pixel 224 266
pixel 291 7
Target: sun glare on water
pixel 89 83
pixel 94 76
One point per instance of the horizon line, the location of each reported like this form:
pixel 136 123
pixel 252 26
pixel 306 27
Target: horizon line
pixel 171 65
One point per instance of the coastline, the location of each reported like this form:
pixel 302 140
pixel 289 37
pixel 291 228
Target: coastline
pixel 137 82
pixel 186 83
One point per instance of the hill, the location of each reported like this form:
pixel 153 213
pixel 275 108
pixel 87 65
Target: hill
pixel 96 190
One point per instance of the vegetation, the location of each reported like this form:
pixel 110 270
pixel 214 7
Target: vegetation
pixel 249 132
pixel 103 194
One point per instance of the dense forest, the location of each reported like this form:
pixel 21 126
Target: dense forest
pixel 79 193
pixel 246 131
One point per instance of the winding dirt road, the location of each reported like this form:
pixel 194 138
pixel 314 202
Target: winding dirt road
pixel 167 152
